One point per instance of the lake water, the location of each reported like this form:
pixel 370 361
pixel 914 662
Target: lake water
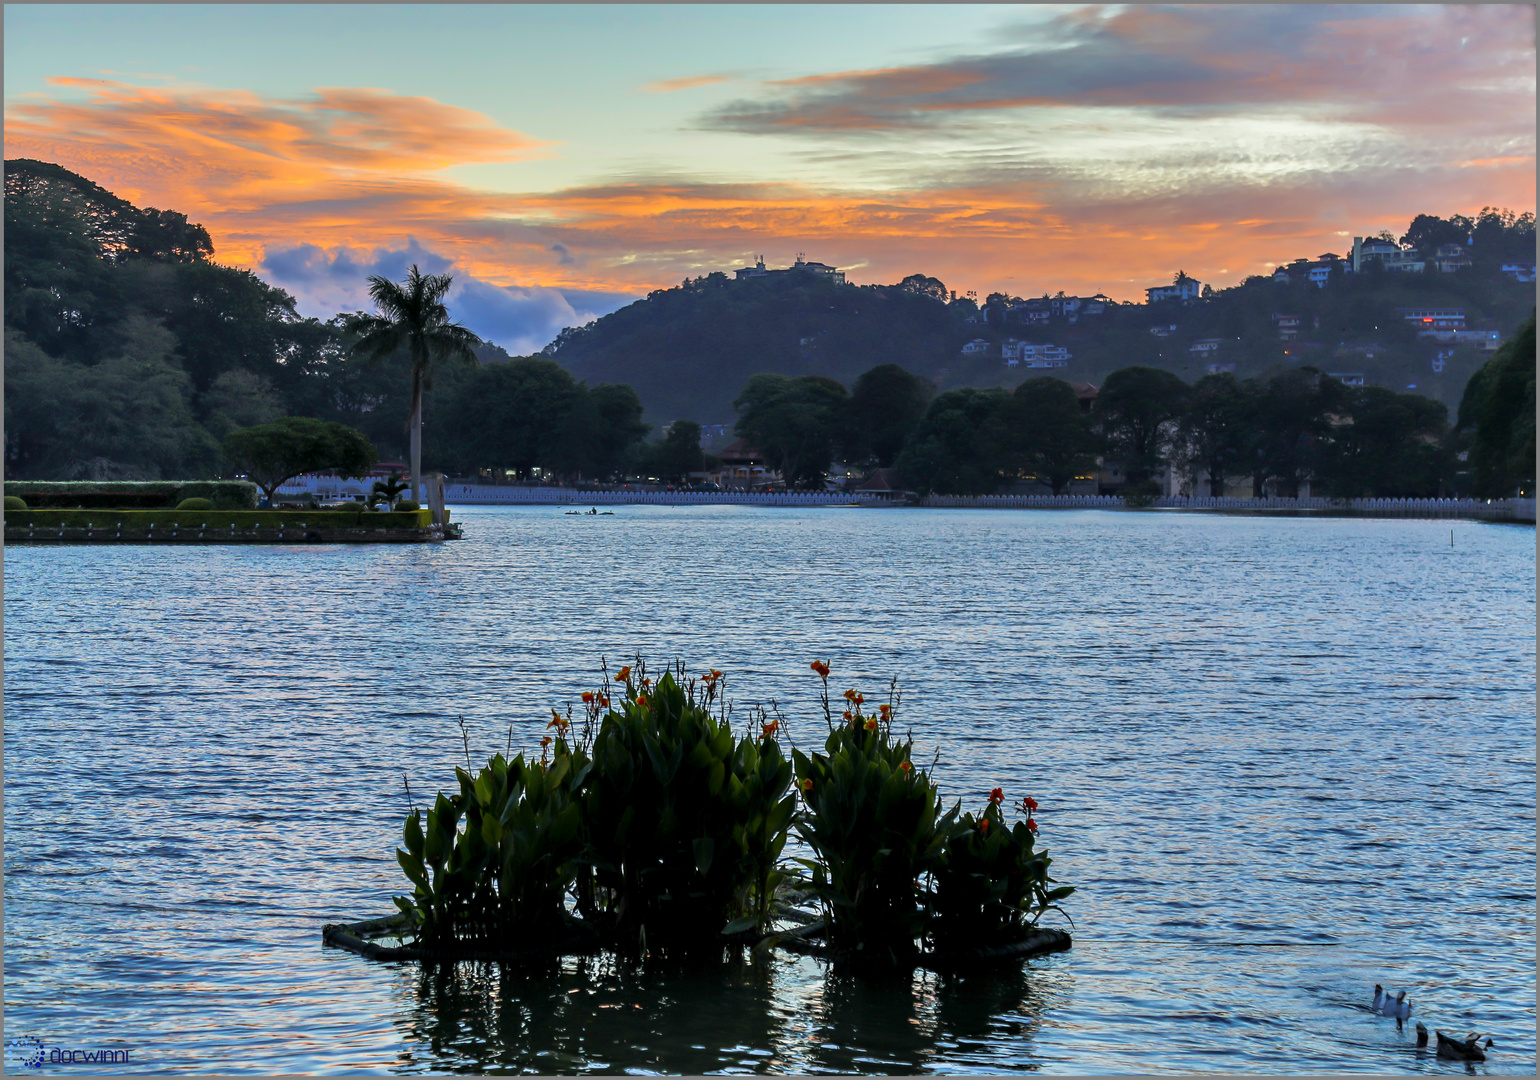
pixel 1313 734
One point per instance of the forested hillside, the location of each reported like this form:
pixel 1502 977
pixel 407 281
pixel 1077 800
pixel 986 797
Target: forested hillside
pixel 130 352
pixel 690 349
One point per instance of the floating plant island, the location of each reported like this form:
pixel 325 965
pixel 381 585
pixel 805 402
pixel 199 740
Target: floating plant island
pixel 647 827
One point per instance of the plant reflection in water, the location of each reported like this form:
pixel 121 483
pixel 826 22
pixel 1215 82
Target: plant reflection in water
pixel 770 1014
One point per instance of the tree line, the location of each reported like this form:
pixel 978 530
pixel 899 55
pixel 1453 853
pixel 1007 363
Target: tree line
pixel 1285 429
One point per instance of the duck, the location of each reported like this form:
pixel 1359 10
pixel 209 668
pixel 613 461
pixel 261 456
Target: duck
pixel 1400 1008
pixel 1468 1049
pixel 1380 997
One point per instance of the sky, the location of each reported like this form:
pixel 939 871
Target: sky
pixel 564 160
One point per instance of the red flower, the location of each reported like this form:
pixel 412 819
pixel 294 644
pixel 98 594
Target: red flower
pixel 588 698
pixel 997 796
pixel 984 826
pixel 770 729
pixel 641 699
pixel 807 785
pixel 1031 824
pixel 904 765
pixel 1029 804
pixel 820 667
pixel 624 674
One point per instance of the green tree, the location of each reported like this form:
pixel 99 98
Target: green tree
pixel 1134 413
pixel 795 422
pixel 412 319
pixel 963 446
pixel 1052 437
pixel 604 431
pixel 1294 421
pixel 270 454
pixel 1216 430
pixel 886 404
pixel 1497 418
pixel 1391 446
pixel 521 415
pixel 239 398
pixel 678 453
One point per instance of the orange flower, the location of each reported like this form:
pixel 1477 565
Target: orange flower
pixel 820 667
pixel 646 682
pixel 871 723
pixel 624 674
pixel 770 729
pixel 885 710
pixel 560 723
pixel 905 766
pixel 545 741
pixel 588 697
pixel 641 699
pixel 807 785
pixel 850 695
pixel 604 702
pixel 860 699
pixel 984 826
pixel 849 715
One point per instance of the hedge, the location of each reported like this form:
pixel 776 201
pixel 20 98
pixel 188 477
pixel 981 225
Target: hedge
pixel 133 494
pixel 217 519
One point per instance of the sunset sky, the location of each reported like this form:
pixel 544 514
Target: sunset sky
pixel 564 160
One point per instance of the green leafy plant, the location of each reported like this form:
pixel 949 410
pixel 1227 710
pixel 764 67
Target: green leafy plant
pixel 403 505
pixel 388 491
pixel 993 883
pixel 195 504
pixel 874 823
pixel 14 502
pixel 685 823
pixel 501 880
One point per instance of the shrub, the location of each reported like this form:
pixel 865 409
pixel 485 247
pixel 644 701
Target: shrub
pixel 685 825
pixel 13 502
pixel 501 881
pixel 132 495
pixel 992 884
pixel 406 504
pixel 875 825
pixel 195 504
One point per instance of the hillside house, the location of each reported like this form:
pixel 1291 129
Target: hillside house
pixel 1486 340
pixel 1205 346
pixel 1523 270
pixel 1020 353
pixel 1030 311
pixel 1186 289
pixel 1221 368
pixel 1451 258
pixel 1064 305
pixel 1288 326
pixel 1085 393
pixel 759 270
pixel 1347 378
pixel 976 347
pixel 1388 254
pixel 1434 318
pixel 1165 330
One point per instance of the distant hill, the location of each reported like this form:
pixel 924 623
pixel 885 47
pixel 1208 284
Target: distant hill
pixel 689 350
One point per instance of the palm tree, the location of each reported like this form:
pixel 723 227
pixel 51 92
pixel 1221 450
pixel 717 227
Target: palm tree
pixel 412 319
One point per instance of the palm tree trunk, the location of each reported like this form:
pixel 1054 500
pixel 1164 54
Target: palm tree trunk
pixel 416 437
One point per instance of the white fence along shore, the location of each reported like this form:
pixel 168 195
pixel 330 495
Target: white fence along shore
pixel 1517 510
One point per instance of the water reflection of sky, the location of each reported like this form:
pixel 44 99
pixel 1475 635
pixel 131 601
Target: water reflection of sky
pixel 1319 734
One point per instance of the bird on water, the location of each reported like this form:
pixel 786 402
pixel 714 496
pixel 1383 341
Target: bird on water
pixel 1468 1049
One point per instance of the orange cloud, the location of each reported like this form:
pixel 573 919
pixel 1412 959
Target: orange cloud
pixel 355 169
pixel 688 82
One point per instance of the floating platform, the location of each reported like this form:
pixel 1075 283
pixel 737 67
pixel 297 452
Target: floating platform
pixel 225 527
pixel 363 938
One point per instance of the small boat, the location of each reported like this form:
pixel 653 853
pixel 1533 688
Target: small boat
pixel 1468 1049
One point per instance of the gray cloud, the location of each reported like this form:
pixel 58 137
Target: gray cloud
pixel 521 320
pixel 1407 66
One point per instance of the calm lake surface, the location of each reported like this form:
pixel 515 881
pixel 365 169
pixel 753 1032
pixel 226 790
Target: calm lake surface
pixel 1314 734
